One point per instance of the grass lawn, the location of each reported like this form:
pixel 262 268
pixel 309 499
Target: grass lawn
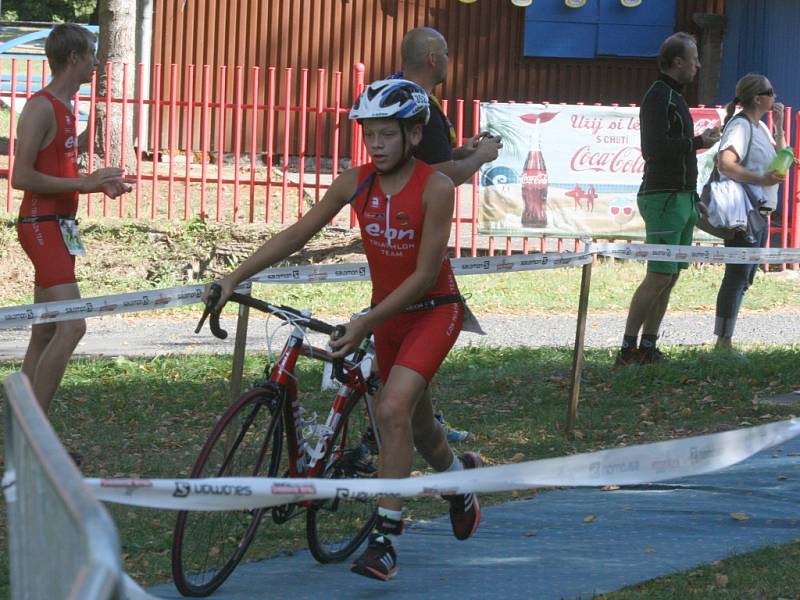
pixel 770 574
pixel 148 417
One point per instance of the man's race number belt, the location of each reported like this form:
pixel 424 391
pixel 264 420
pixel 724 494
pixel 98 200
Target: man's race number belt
pixel 41 218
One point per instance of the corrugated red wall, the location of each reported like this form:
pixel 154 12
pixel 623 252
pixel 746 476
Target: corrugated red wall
pixel 485 41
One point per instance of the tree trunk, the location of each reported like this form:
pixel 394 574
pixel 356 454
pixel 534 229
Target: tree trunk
pixel 117 45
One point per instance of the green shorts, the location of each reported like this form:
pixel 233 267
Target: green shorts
pixel 669 218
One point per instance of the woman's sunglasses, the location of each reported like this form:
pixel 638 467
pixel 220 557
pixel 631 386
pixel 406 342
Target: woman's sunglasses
pixel 768 92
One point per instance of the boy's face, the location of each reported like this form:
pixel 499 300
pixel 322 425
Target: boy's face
pixel 384 141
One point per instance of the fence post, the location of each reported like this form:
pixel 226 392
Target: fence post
pixel 355 129
pixel 358 87
pixel 476 125
pixel 287 125
pixel 577 354
pixel 239 348
pixel 12 136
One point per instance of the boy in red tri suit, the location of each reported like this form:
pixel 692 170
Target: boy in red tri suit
pixel 404 208
pixel 45 168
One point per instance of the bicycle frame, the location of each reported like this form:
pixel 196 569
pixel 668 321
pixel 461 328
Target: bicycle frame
pixel 253 429
pixel 305 461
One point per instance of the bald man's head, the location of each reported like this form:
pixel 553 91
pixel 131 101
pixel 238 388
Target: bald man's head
pixel 425 49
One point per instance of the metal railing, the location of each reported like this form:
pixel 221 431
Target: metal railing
pixel 62 542
pixel 261 145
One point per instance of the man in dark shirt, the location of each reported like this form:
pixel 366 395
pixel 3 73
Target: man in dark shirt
pixel 425 62
pixel 667 195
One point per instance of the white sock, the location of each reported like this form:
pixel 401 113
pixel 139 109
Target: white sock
pixel 456 465
pixel 394 515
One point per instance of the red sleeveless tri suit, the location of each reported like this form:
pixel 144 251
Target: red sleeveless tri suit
pixel 391 229
pixel 42 240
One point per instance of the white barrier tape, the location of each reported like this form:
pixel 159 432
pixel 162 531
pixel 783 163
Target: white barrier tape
pixel 50 312
pixel 461 266
pixel 520 262
pixel 697 254
pixel 633 465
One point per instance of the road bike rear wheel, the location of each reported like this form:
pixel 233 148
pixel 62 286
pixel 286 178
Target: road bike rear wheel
pixel 336 528
pixel 247 441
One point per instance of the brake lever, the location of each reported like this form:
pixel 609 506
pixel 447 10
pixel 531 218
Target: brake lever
pixel 337 364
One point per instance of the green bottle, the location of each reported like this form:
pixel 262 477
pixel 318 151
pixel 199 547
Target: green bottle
pixel 782 162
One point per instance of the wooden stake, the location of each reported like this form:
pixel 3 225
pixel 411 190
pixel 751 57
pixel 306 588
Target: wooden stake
pixel 577 355
pixel 239 348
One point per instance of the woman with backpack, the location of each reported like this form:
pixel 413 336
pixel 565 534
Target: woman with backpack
pixel 746 150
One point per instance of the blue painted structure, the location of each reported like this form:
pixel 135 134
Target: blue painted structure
pixel 599 28
pixel 762 37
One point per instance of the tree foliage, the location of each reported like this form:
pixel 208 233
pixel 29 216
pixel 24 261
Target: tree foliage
pixel 58 11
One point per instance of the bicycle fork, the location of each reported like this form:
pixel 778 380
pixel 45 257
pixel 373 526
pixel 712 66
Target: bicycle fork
pixel 351 390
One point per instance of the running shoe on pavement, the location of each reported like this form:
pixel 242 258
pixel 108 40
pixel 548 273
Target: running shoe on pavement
pixel 465 511
pixel 379 560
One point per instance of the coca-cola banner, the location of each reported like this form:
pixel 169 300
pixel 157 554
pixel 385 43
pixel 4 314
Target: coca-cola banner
pixel 567 170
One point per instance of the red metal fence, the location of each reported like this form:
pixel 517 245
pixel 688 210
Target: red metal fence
pixel 276 168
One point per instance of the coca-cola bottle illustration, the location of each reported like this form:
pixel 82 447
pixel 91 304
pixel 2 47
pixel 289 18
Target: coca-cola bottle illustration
pixel 534 185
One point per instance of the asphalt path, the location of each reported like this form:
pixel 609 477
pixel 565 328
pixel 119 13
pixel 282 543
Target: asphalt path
pixel 145 335
pixel 574 544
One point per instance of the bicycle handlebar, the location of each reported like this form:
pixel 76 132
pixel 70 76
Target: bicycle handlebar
pixel 282 312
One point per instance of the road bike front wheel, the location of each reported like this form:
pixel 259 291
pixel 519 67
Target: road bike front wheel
pixel 247 441
pixel 336 528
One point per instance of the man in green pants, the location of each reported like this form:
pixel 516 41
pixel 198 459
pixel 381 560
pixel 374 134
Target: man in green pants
pixel 667 195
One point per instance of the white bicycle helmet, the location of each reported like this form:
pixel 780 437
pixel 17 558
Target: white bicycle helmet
pixel 392 99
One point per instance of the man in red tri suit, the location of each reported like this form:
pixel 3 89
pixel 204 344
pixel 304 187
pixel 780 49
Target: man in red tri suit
pixel 46 169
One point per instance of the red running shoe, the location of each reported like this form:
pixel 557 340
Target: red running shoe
pixel 379 560
pixel 465 512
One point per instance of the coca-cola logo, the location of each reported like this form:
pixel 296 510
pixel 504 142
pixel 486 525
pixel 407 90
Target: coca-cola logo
pixel 625 160
pixel 535 179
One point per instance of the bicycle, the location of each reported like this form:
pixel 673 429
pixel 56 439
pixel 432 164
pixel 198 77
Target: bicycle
pixel 263 433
